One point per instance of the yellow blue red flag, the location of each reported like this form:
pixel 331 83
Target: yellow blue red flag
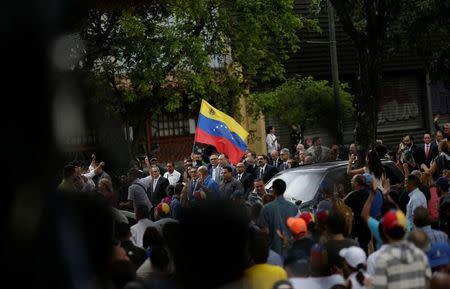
pixel 216 128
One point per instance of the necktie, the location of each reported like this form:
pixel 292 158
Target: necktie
pixel 261 173
pixel 427 150
pixel 239 176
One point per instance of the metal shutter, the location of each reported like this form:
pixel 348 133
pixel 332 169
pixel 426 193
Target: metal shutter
pixel 401 105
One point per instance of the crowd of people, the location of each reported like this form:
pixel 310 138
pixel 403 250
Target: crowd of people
pixel 211 224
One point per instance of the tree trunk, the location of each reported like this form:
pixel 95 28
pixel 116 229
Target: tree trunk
pixel 366 100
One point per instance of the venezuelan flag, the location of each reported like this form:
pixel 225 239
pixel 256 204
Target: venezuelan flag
pixel 220 130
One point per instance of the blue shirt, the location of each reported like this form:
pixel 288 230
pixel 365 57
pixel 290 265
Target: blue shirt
pixel 212 186
pixel 416 199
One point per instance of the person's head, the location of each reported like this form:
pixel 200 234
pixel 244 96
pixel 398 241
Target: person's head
pixel 317 141
pixel 214 159
pixel 381 149
pixel 387 206
pixel 374 163
pixel 442 185
pixel 178 189
pixel 427 138
pixel 412 183
pixel 69 172
pixel 278 187
pixel 202 172
pixel 447 128
pixel 292 163
pixel 336 223
pixel 355 260
pixel 270 129
pixel 262 160
pixel 162 211
pixel 439 136
pixel 393 225
pixel 258 186
pixel 223 160
pixel 259 246
pixel 298 227
pixel 421 217
pixel 284 154
pixel 358 182
pixel 153 161
pixel 420 239
pixel 300 147
pixel 352 149
pixel 155 172
pixel 187 162
pixel 170 166
pixel 444 146
pixel 197 157
pixel 193 173
pixel 122 231
pixel 408 140
pixel 240 168
pixel 152 237
pixel 105 185
pixel 227 173
pixel 439 257
pixel 142 213
pixel 274 154
pixel 133 174
pixel 418 174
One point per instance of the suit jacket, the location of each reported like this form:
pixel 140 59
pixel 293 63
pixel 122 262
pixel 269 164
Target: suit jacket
pixel 282 167
pixel 210 172
pixel 160 191
pixel 252 169
pixel 246 180
pixel 276 163
pixel 423 159
pixel 268 173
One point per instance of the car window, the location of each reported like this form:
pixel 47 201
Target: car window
pixel 336 180
pixel 300 185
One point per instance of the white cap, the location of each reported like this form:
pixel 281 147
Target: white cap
pixel 353 256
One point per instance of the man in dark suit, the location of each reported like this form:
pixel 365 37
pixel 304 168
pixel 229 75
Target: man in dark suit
pixel 284 160
pixel 265 171
pixel 275 159
pixel 410 158
pixel 245 178
pixel 158 187
pixel 427 151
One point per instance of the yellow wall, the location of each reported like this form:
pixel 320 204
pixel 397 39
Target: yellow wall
pixel 256 139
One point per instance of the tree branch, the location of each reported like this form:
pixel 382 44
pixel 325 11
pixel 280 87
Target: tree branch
pixel 346 20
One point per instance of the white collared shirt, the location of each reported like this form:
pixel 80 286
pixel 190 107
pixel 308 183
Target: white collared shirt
pixel 173 177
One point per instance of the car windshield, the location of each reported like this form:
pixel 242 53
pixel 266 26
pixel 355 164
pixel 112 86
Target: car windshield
pixel 300 185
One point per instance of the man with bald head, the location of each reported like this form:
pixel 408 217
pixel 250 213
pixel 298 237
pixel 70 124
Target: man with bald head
pixel 207 184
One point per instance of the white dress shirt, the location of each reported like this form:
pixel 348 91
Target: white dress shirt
pixel 173 177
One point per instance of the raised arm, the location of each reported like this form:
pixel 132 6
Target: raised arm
pixel 351 172
pixel 365 213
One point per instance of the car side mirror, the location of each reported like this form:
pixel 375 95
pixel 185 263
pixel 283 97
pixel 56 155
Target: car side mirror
pixel 298 203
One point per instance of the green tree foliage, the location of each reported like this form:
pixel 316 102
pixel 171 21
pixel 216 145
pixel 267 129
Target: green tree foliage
pixel 302 100
pixel 165 56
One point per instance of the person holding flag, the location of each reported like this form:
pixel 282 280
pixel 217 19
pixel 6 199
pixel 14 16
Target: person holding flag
pixel 216 128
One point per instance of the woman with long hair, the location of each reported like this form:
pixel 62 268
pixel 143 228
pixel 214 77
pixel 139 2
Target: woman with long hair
pixel 373 167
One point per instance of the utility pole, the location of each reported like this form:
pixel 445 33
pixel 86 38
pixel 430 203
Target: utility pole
pixel 335 73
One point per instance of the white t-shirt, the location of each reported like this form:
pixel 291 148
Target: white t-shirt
pixel 354 281
pixel 317 282
pixel 173 178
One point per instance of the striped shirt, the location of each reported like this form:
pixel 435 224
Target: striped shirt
pixel 435 236
pixel 401 266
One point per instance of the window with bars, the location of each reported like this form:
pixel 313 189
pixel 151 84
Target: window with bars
pixel 175 124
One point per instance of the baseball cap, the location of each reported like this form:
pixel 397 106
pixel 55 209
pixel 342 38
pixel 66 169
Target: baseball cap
pixel 308 217
pixel 354 256
pixel 297 226
pixel 443 183
pixel 439 254
pixel 368 178
pixel 393 219
pixel 163 209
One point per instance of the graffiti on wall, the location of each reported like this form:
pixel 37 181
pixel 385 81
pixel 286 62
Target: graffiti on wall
pixel 396 105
